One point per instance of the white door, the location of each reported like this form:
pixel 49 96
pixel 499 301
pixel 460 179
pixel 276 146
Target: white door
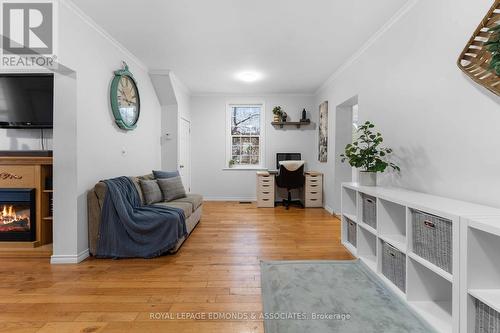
pixel 185 153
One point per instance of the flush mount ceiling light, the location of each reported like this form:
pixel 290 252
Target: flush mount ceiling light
pixel 248 76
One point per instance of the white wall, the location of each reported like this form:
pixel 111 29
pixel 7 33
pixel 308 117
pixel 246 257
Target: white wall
pixel 24 139
pixel 182 96
pixel 170 139
pixel 174 98
pixel 102 149
pixel 439 122
pixel 208 116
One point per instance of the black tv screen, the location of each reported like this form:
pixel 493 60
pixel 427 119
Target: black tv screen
pixel 26 101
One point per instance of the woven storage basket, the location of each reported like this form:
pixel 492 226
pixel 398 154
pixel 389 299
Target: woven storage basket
pixel 369 210
pixel 394 265
pixel 475 58
pixel 351 232
pixel 432 239
pixel 487 319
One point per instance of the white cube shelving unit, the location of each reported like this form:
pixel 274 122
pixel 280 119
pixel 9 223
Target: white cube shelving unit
pixel 480 266
pixel 432 292
pixel 367 247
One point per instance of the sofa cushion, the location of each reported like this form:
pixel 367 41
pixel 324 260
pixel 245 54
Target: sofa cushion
pixel 151 191
pixel 185 206
pixel 172 188
pixel 157 174
pixel 137 185
pixel 149 176
pixel 194 199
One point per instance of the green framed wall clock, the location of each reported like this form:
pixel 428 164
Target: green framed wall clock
pixel 125 99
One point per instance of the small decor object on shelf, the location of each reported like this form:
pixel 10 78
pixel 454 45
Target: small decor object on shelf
pixel 323 132
pixel 480 59
pixel 366 154
pixel 304 115
pixel 125 101
pixel 231 163
pixel 283 117
pixel 277 112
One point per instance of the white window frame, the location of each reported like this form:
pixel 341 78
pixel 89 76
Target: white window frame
pixel 262 141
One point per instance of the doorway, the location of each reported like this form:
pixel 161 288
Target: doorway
pixel 185 153
pixel 346 122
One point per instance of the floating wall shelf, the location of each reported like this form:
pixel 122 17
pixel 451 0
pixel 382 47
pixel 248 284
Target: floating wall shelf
pixel 291 123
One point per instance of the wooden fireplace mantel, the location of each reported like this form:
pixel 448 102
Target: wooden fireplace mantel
pixel 30 172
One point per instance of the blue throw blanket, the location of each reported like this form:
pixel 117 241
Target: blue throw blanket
pixel 130 230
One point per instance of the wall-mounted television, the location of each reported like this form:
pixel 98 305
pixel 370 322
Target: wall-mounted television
pixel 26 100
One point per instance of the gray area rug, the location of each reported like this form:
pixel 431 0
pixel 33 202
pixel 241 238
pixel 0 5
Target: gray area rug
pixel 332 296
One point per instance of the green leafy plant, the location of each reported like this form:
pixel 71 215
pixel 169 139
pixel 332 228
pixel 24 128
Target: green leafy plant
pixel 493 45
pixel 278 111
pixel 231 163
pixel 366 152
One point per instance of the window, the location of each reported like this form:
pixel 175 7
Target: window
pixel 245 138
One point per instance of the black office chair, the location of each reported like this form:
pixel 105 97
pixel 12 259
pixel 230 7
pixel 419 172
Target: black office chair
pixel 290 180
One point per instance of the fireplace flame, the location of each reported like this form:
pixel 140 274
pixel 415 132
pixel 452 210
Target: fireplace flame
pixel 9 215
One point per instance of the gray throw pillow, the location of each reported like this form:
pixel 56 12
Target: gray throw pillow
pixel 172 188
pixel 165 174
pixel 151 191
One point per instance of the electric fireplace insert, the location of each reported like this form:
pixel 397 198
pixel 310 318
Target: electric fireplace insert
pixel 17 215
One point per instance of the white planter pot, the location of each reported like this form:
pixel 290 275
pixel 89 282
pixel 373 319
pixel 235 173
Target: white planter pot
pixel 367 178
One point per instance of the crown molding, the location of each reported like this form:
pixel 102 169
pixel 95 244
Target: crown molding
pixel 165 72
pixel 91 23
pixel 379 33
pixel 179 84
pixel 252 95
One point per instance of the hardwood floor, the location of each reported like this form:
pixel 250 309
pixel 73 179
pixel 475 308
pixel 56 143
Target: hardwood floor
pixel 216 270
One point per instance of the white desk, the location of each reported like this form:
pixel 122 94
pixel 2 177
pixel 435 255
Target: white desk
pixel 311 195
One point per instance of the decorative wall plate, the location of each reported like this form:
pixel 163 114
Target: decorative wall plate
pixel 475 58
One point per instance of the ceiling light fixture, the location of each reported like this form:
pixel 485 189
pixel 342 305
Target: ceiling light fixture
pixel 249 76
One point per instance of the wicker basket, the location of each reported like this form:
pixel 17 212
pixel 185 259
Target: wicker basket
pixel 394 265
pixel 369 210
pixel 487 319
pixel 433 239
pixel 351 232
pixel 475 59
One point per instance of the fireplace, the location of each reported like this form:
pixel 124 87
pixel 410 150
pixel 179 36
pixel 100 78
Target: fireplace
pixel 17 215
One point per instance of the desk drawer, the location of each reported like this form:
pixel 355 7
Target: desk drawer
pixel 314 202
pixel 266 193
pixel 265 201
pixel 265 185
pixel 313 188
pixel 265 190
pixel 314 195
pixel 314 181
pixel 266 181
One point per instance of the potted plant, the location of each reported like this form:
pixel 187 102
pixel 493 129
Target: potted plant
pixel 366 154
pixel 231 163
pixel 277 112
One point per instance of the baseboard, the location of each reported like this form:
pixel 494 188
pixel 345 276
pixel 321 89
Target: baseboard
pixel 69 259
pixel 229 199
pixel 329 209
